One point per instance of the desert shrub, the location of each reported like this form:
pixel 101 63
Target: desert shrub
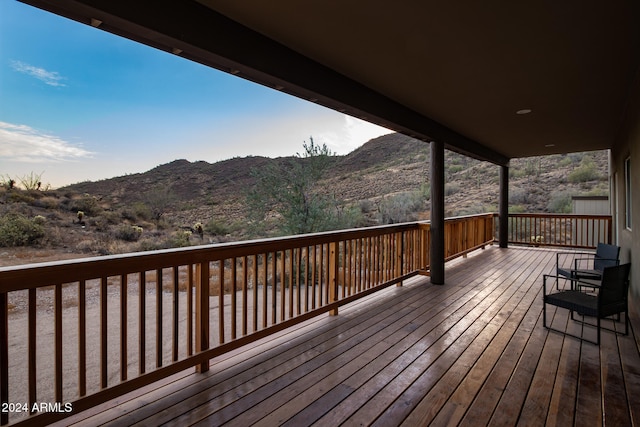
pixel 560 202
pixel 516 172
pixel 587 171
pixel 46 202
pixel 129 233
pixel 455 169
pixel 180 239
pixel 19 230
pixel 517 209
pixel 86 204
pixel 473 209
pixel 216 227
pixel 146 245
pixel 100 244
pixel 518 196
pixel 566 161
pixel 451 189
pixel 367 206
pixel 425 190
pixel 400 208
pixel 19 196
pixel 110 217
pixel 128 214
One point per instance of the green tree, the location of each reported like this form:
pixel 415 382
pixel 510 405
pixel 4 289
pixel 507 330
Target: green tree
pixel 289 189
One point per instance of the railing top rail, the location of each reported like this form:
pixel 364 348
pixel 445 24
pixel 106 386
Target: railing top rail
pixel 557 215
pixel 12 278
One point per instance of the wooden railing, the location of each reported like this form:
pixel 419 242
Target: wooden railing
pixel 78 333
pixel 561 230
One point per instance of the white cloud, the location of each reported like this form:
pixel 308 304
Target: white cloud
pixel 351 134
pixel 21 143
pixel 52 78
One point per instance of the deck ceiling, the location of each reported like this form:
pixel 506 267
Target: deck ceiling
pixel 453 71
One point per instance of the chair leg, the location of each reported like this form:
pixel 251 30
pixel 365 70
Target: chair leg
pixel 626 322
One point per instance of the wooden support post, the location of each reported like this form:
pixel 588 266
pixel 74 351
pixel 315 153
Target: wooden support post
pixel 202 312
pixel 333 276
pixel 437 213
pixel 503 219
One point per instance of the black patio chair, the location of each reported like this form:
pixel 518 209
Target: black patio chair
pixel 589 265
pixel 609 299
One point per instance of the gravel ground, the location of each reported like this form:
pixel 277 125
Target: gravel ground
pixel 18 345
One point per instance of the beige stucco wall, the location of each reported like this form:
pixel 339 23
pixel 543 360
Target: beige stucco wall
pixel 626 146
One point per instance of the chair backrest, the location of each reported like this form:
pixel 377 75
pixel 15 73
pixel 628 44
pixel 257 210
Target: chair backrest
pixel 615 284
pixel 606 256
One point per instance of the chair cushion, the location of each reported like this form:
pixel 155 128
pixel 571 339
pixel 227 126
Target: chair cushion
pixel 573 300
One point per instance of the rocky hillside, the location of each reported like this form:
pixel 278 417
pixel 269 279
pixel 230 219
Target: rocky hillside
pixel 386 180
pixel 383 167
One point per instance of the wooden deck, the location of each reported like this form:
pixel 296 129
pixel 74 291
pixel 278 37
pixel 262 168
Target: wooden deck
pixel 471 352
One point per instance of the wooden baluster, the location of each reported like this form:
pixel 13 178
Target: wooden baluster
pixel 159 310
pixel 399 256
pixel 190 310
pixel 245 297
pixel 291 281
pixel 332 281
pixel 142 321
pixel 103 333
pixel 274 287
pixel 234 302
pixel 175 313
pixel 283 285
pixel 202 312
pixel 123 327
pixel 221 302
pixel 313 276
pixel 255 292
pixel 299 271
pixel 265 282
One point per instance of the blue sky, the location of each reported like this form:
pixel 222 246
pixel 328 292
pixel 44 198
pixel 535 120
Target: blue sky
pixel 78 103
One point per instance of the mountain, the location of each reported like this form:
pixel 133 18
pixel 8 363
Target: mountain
pixel 385 180
pixel 386 166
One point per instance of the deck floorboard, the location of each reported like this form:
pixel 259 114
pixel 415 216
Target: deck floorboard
pixel 471 352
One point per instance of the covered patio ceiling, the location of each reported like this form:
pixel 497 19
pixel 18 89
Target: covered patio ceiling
pixel 458 72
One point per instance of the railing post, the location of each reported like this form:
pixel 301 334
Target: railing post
pixel 4 356
pixel 202 312
pixel 333 276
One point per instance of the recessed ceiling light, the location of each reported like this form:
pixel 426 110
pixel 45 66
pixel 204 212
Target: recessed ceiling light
pixel 523 111
pixel 550 145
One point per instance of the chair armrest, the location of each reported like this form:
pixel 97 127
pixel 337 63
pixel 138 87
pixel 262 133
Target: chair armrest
pixel 558 254
pixel 589 283
pixel 553 276
pixel 577 261
pixel 617 261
